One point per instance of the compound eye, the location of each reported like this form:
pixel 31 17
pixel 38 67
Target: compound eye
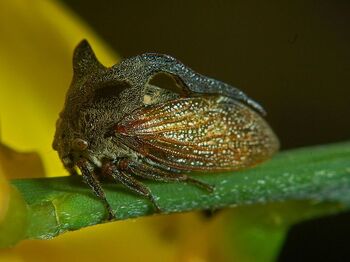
pixel 79 144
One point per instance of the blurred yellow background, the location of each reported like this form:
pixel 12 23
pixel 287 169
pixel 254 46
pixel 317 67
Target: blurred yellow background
pixel 293 57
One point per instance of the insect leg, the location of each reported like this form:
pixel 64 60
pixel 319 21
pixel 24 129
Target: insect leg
pixel 131 183
pixel 153 173
pixel 91 179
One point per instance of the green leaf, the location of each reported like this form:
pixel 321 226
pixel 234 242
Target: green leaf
pixel 317 177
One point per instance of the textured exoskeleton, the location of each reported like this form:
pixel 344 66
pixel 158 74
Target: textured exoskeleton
pixel 118 122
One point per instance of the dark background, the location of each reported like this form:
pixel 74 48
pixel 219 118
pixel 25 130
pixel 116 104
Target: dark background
pixel 291 56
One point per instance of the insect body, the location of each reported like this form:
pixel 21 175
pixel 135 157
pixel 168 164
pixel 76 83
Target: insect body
pixel 117 123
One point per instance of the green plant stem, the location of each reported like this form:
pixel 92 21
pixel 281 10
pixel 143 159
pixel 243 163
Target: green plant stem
pixel 316 174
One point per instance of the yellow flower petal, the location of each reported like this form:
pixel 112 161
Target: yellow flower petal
pixel 37 39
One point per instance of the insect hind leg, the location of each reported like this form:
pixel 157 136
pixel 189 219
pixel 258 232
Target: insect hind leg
pixel 120 175
pixel 153 173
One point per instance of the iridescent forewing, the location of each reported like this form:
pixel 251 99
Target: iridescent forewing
pixel 199 133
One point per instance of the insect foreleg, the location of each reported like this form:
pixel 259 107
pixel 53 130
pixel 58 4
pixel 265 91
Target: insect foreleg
pixel 91 179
